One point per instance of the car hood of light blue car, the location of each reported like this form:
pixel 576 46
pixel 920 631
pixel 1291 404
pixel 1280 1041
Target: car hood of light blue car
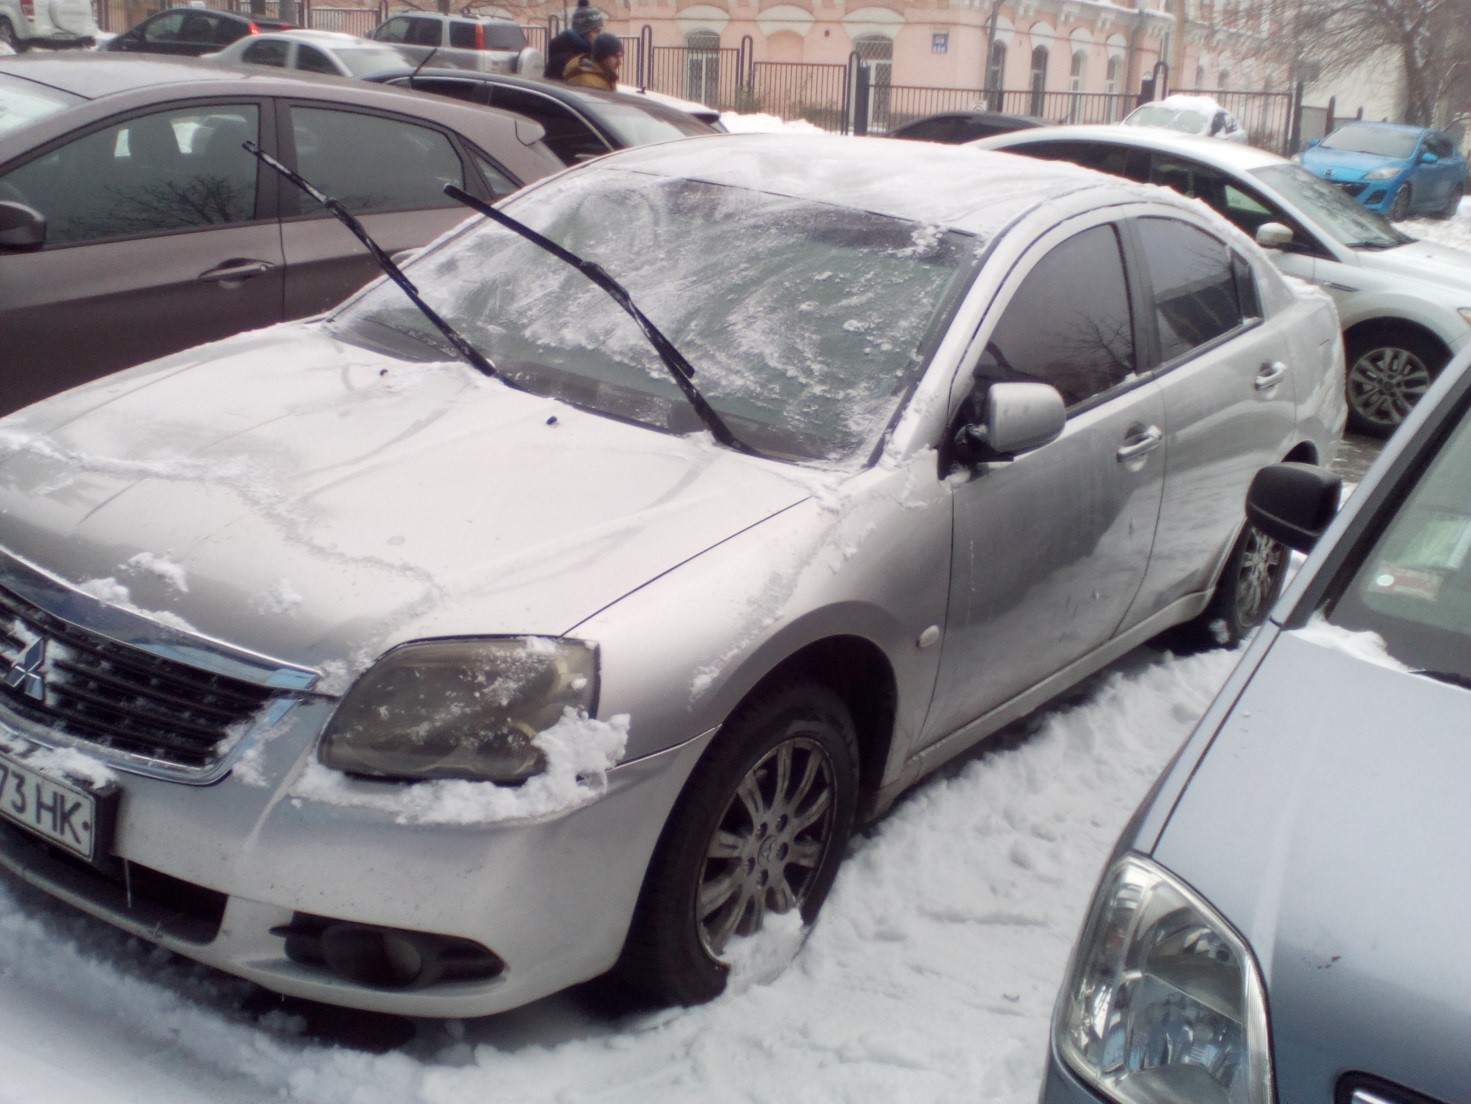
pixel 1330 823
pixel 1346 164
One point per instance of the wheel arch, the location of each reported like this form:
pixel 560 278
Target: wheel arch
pixel 1391 326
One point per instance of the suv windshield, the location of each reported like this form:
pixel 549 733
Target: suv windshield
pixel 1153 115
pixel 24 102
pixel 1376 140
pixel 806 323
pixel 1330 210
pixel 1414 586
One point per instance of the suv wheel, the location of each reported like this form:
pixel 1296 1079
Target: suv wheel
pixel 1387 374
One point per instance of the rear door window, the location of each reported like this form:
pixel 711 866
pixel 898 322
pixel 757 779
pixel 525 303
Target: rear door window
pixel 360 160
pixel 1197 286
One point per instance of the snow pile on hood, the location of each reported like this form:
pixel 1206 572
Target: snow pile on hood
pixel 579 751
pixel 763 124
pixel 1367 646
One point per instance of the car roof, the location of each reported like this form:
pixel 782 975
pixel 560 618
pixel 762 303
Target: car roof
pixel 1231 156
pixel 956 186
pixel 95 75
pixel 576 95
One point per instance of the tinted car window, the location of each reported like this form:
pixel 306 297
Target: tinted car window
pixel 394 30
pixel 163 29
pixel 313 60
pixel 471 91
pixel 1114 160
pixel 1070 323
pixel 265 53
pixel 360 159
pixel 567 136
pixel 173 170
pixel 423 32
pixel 495 179
pixel 1194 282
pixel 462 35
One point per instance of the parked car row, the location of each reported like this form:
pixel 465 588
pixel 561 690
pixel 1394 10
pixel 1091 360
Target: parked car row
pixel 935 403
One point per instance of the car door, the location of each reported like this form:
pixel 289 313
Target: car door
pixel 1049 550
pixel 161 234
pixel 1229 402
pixel 387 170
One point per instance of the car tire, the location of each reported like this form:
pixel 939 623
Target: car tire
pixel 1387 374
pixel 760 826
pixel 1400 208
pixel 1454 203
pixel 9 37
pixel 1249 586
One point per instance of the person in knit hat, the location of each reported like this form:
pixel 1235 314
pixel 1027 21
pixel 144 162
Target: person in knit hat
pixel 600 68
pixel 576 40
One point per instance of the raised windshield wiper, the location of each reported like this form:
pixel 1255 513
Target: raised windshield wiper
pixel 681 369
pixel 472 355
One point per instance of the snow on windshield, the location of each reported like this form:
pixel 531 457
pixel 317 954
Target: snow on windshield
pixel 804 322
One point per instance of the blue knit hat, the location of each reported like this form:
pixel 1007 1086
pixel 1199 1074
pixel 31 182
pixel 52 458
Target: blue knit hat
pixel 586 18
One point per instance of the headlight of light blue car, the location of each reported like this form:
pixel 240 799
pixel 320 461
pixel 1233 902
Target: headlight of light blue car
pixel 1164 1002
pixel 1386 173
pixel 462 708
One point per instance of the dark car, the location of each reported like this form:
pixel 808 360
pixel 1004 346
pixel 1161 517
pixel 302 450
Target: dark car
pixel 133 224
pixel 954 127
pixel 189 32
pixel 579 122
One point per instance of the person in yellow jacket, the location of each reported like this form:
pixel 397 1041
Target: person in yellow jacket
pixel 600 68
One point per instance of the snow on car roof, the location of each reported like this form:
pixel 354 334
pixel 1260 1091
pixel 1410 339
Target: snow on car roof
pixel 1228 155
pixel 956 186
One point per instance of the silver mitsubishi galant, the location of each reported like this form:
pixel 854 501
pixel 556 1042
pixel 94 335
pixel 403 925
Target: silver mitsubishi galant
pixel 433 661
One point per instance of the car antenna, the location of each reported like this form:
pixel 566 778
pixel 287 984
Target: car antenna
pixel 681 369
pixel 472 355
pixel 423 62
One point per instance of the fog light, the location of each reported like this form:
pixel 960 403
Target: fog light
pixel 386 958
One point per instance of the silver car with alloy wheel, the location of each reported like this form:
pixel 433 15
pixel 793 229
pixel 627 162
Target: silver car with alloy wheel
pixel 434 665
pixel 1405 304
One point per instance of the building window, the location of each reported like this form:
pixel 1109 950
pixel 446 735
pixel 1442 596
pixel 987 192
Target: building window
pixel 996 75
pixel 877 54
pixel 1038 82
pixel 1075 85
pixel 702 67
pixel 1111 77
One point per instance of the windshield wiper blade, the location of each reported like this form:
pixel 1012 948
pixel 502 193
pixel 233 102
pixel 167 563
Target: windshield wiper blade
pixel 681 369
pixel 473 356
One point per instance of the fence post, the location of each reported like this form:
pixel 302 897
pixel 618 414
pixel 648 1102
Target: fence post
pixel 1294 119
pixel 645 57
pixel 856 120
pixel 745 64
pixel 1332 110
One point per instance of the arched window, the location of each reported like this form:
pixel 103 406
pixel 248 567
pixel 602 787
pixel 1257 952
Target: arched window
pixel 702 67
pixel 1111 77
pixel 1038 81
pixel 996 75
pixel 1075 85
pixel 877 54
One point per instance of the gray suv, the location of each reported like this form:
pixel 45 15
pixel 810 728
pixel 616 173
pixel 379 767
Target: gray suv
pixel 461 42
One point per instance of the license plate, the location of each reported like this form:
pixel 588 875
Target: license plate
pixel 56 810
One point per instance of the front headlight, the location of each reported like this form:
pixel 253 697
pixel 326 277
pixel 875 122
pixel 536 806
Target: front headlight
pixel 465 708
pixel 1164 1003
pixel 1389 172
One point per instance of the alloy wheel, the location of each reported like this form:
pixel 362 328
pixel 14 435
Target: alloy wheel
pixel 1262 563
pixel 1384 383
pixel 769 844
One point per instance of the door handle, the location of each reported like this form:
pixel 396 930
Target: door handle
pixel 1270 375
pixel 1140 443
pixel 236 270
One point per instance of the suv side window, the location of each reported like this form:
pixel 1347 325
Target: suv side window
pixel 1196 284
pixel 394 30
pixel 1070 323
pixel 424 32
pixel 360 159
pixel 462 34
pixel 172 170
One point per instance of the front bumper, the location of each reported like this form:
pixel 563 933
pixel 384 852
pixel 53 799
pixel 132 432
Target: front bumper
pixel 218 872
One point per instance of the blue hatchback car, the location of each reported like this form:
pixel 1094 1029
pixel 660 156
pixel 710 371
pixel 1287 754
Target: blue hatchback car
pixel 1394 169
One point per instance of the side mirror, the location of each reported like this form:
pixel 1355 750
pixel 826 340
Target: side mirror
pixel 1273 235
pixel 1293 503
pixel 1312 142
pixel 1017 417
pixel 1428 158
pixel 22 228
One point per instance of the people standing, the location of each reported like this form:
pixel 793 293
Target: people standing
pixel 598 69
pixel 577 40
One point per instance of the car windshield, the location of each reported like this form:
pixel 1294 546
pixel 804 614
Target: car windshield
pixel 363 60
pixel 1153 115
pixel 806 323
pixel 1414 586
pixel 24 102
pixel 1330 210
pixel 1398 144
pixel 634 125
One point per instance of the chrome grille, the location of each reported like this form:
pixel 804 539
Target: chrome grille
pixel 102 692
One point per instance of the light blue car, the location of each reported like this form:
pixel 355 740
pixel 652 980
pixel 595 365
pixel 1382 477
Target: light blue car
pixel 1393 169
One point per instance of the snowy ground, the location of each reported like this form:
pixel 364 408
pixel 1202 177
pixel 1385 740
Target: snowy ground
pixel 929 978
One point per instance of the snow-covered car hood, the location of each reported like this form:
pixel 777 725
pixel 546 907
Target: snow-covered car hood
pixel 1330 822
pixel 317 503
pixel 1422 260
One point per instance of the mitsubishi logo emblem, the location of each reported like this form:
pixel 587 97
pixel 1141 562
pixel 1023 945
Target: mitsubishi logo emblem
pixel 25 673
